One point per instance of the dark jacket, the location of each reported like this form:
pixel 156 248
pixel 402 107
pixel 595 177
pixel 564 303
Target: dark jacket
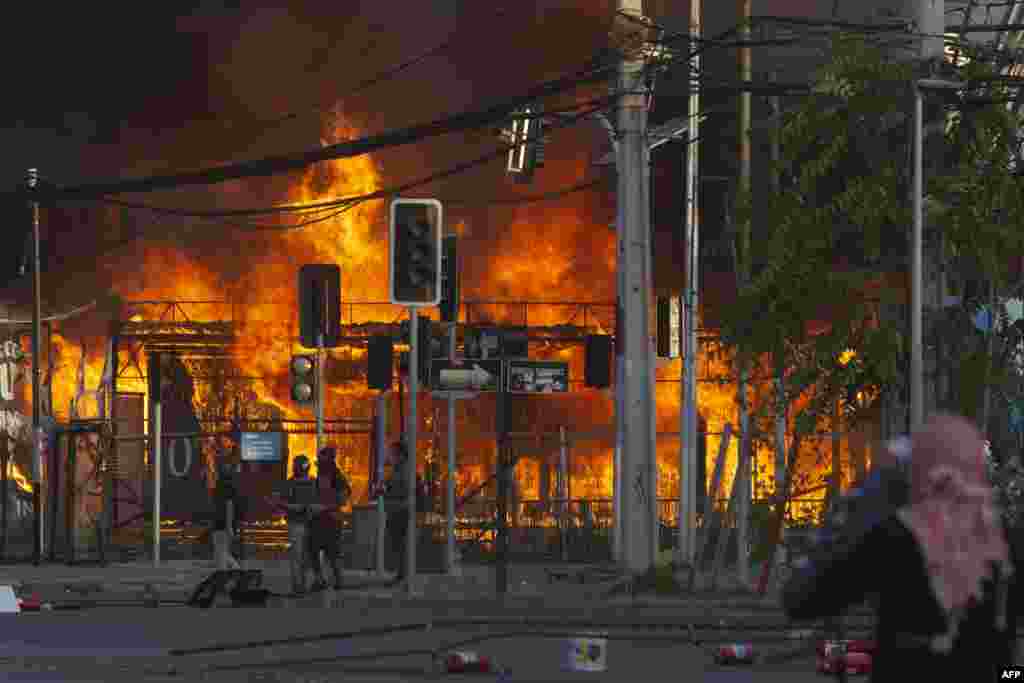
pixel 333 490
pixel 298 492
pixel 884 563
pixel 395 493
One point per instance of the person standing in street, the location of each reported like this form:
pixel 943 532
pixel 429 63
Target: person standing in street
pixel 226 515
pixel 333 491
pixel 297 498
pixel 934 558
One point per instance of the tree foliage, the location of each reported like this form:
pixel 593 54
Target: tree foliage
pixel 841 220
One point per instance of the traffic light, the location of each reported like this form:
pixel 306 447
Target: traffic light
pixel 669 321
pixel 527 139
pixel 597 361
pixel 429 347
pixel 380 357
pixel 319 304
pixel 303 376
pixel 415 245
pixel 449 280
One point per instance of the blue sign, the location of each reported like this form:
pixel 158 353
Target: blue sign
pixel 262 446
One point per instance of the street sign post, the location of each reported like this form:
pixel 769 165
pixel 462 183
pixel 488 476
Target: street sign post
pixel 468 375
pixel 537 377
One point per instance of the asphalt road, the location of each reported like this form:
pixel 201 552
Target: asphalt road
pixel 133 645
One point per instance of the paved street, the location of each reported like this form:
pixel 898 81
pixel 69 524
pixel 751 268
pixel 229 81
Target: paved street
pixel 114 643
pixel 133 644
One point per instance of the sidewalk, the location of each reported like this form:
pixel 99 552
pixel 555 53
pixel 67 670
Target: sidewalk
pixel 174 580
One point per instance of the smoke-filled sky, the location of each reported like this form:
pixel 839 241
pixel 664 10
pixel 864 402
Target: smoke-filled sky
pixel 161 87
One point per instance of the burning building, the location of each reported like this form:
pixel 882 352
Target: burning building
pixel 219 297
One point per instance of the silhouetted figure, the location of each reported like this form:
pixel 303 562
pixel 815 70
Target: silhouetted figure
pixel 931 552
pixel 333 491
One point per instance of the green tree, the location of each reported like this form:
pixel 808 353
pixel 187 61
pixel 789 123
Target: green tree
pixel 843 201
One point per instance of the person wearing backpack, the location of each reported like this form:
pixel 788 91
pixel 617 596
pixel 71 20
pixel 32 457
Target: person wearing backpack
pixel 298 499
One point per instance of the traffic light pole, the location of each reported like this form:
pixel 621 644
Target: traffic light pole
pixel 450 535
pixel 381 417
pixel 37 455
pixel 319 394
pixel 501 537
pixel 410 463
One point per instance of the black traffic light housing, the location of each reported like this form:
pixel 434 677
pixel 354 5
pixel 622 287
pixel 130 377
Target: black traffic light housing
pixel 379 363
pixel 430 346
pixel 597 361
pixel 319 304
pixel 415 252
pixel 669 312
pixel 303 372
pixel 449 279
pixel 527 140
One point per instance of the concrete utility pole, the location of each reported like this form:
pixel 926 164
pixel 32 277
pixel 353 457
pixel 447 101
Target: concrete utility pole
pixel 688 484
pixel 634 260
pixel 743 272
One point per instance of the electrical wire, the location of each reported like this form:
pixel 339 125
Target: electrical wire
pixel 278 164
pixel 348 203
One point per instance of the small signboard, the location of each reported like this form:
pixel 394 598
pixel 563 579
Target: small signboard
pixel 262 446
pixel 537 377
pixel 469 375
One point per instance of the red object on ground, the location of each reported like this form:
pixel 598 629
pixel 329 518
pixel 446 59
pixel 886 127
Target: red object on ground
pixel 467 662
pixel 735 653
pixel 825 647
pixel 31 603
pixel 856 663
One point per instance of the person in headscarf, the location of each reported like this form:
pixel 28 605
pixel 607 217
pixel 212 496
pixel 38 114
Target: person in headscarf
pixel 934 557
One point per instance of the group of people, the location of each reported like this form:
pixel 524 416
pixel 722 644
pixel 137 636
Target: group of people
pixel 311 507
pixel 922 540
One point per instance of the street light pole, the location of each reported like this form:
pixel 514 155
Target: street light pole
pixel 37 451
pixel 688 484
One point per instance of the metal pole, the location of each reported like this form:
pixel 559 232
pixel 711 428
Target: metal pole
pixel 381 417
pixel 450 531
pixel 501 573
pixel 157 476
pixel 743 501
pixel 319 392
pixel 410 436
pixel 634 296
pixel 37 455
pixel 563 490
pixel 916 357
pixel 688 485
pixel 780 365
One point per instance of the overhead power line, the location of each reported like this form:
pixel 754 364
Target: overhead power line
pixel 341 206
pixel 273 165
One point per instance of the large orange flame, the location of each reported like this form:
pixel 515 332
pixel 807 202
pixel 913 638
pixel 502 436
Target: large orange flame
pixel 578 258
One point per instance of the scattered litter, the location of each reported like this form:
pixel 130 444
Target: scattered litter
pixel 735 653
pixel 589 653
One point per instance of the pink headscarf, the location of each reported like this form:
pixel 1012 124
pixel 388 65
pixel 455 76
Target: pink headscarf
pixel 951 512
